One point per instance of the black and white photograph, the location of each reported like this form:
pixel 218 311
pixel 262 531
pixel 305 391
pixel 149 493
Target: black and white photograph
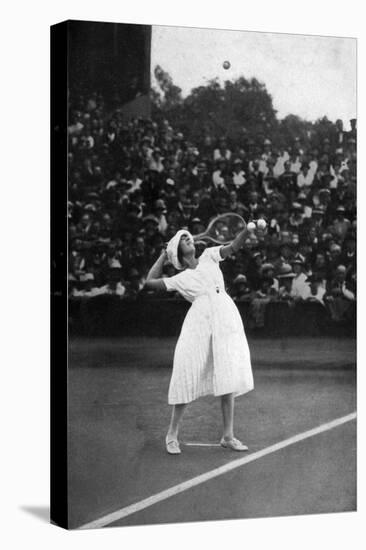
pixel 205 264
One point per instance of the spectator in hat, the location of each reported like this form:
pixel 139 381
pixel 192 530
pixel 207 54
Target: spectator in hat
pixel 324 202
pixel 339 279
pixel 134 283
pixel 300 285
pixel 287 179
pixel 238 174
pixel 341 224
pixel 155 163
pixel 269 182
pixel 348 255
pixel 261 298
pixel 219 175
pixel 241 291
pixel 150 221
pixel 255 176
pixel 195 203
pixel 340 135
pixel 353 132
pixel 197 226
pixel 254 204
pixel 339 298
pixel 268 272
pixel 321 268
pixel 317 218
pixel 202 179
pixel 285 277
pixel 316 289
pixel 333 255
pixel 235 205
pixel 138 254
pixel 284 258
pixel 84 227
pixel 106 228
pixel 296 218
pixel 267 149
pixel 137 200
pixel 254 269
pixel 305 177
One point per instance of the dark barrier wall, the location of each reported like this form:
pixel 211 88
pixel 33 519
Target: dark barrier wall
pixel 112 58
pixel 110 316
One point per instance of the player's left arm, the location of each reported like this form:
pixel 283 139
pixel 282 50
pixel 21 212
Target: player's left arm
pixel 235 245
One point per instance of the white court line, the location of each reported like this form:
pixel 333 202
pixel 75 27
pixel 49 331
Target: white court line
pixel 202 444
pixel 181 487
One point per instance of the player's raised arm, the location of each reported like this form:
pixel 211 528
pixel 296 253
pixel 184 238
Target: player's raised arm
pixel 239 240
pixel 153 279
pixel 235 245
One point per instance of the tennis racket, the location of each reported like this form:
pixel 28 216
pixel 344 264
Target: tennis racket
pixel 222 229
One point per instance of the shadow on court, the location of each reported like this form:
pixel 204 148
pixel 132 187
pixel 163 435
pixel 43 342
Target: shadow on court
pixel 118 415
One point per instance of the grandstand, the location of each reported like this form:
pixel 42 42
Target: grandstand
pixel 134 181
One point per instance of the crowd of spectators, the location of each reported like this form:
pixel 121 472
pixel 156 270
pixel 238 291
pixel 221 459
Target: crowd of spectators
pixel 134 183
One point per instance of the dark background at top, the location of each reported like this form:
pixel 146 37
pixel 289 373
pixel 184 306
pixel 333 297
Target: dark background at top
pixel 112 58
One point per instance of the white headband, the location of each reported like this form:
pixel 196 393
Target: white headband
pixel 172 248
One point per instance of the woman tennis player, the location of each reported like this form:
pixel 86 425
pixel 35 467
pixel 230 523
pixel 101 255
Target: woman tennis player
pixel 212 355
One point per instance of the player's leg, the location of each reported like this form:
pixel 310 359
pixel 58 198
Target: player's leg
pixel 227 407
pixel 228 440
pixel 172 435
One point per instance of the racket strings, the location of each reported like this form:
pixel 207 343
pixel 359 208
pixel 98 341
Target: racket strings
pixel 225 228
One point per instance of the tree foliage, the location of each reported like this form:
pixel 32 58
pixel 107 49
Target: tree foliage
pixel 232 109
pixel 168 94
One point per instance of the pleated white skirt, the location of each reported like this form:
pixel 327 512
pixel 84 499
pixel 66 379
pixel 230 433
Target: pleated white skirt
pixel 212 355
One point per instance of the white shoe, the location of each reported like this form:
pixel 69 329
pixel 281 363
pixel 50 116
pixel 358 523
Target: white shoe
pixel 172 446
pixel 233 444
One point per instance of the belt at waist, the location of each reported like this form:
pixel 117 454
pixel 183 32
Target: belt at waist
pixel 212 292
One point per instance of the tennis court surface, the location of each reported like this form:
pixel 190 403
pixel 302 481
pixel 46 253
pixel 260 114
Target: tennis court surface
pixel 299 424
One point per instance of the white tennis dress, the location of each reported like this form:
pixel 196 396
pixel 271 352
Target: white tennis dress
pixel 212 354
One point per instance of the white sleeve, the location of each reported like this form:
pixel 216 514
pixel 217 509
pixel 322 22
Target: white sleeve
pixel 177 283
pixel 214 253
pixel 169 283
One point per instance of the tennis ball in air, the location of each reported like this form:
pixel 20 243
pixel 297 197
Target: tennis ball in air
pixel 261 224
pixel 251 226
pixel 226 65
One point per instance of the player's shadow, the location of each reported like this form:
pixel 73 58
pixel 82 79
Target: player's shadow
pixel 40 512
